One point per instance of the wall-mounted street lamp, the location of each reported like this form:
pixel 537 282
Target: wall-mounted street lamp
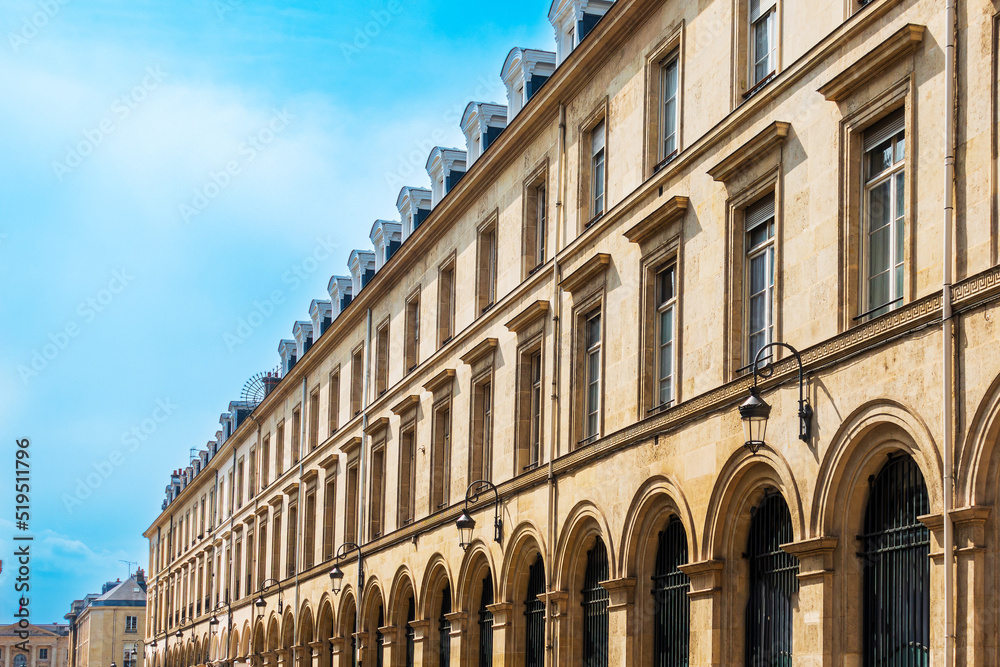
pixel 337 581
pixel 466 524
pixel 260 602
pixel 755 411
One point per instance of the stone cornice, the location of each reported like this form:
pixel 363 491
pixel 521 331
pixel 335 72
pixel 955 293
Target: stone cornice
pixel 405 404
pixel 752 150
pixel 588 270
pixel 897 46
pixel 528 316
pixel 671 210
pixel 480 350
pixel 376 425
pixel 440 380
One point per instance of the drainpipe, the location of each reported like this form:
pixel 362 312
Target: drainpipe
pixel 947 331
pixel 362 464
pixel 553 444
pixel 300 515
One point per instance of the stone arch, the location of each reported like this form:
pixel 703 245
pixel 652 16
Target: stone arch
pixel 325 619
pixel 213 654
pixel 288 629
pixel 399 594
pixel 345 616
pixel 305 625
pixel 654 503
pixel 245 640
pixel 436 574
pixel 206 641
pixel 858 449
pixel 190 651
pixel 273 633
pixel 524 544
pixel 977 464
pixel 372 601
pixel 258 644
pixel 477 564
pixel 739 486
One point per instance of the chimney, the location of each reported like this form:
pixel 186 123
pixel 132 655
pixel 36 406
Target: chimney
pixel 481 124
pixel 523 73
pixel 362 266
pixel 445 166
pixel 386 236
pixel 271 381
pixel 140 579
pixel 341 292
pixel 413 204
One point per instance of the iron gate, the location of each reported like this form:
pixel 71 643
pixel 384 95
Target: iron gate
pixel 486 623
pixel 534 612
pixel 671 616
pixel 595 607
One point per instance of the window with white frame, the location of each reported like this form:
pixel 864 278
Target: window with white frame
pixel 759 281
pixel 535 408
pixel 666 302
pixel 592 361
pixel 763 42
pixel 884 212
pixel 129 652
pixel 43 654
pixel 597 169
pixel 669 78
pixel 131 624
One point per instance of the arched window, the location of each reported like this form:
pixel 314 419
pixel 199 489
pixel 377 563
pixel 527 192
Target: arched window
pixel 895 560
pixel 595 607
pixel 486 623
pixel 444 630
pixel 354 640
pixel 671 605
pixel 534 613
pixel 20 660
pixel 773 582
pixel 411 615
pixel 380 639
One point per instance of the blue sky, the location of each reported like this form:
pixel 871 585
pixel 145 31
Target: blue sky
pixel 128 252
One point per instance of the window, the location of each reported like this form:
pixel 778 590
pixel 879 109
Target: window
pixel 357 379
pixel 296 434
pixel 276 545
pixel 895 560
pixel 487 274
pixel 411 344
pixel 440 456
pixel 43 653
pixel 309 530
pixel 201 518
pixel 773 582
pixel 666 302
pixel 261 555
pixel 314 419
pixel 334 416
pixel 251 553
pixel 591 375
pixel 279 449
pixel 595 607
pixel 351 520
pixel 759 245
pixel 884 212
pixel 444 629
pixel 131 624
pixel 376 501
pixel 534 616
pixel 480 456
pixel 265 461
pixel 239 490
pixel 407 470
pixel 535 221
pixel 291 553
pixel 329 513
pixel 671 604
pixel 20 660
pixel 533 405
pixel 411 634
pixel 235 567
pixel 446 302
pixel 382 358
pixel 668 106
pixel 252 478
pixel 598 175
pixel 763 42
pixel 485 622
pixel 129 652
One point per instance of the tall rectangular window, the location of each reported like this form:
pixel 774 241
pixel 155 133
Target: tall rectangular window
pixel 763 42
pixel 481 454
pixel 884 213
pixel 261 553
pixel 487 261
pixel 265 461
pixel 592 375
pixel 252 477
pixel 534 408
pixel 351 519
pixel 666 303
pixel 382 358
pixel 407 472
pixel 376 500
pixel 411 343
pixel 535 222
pixel 314 419
pixel 296 434
pixel 446 302
pixel 201 519
pixel 357 379
pixel 251 553
pixel 276 545
pixel 440 456
pixel 279 450
pixel 291 552
pixel 334 413
pixel 329 513
pixel 309 530
pixel 598 176
pixel 236 568
pixel 239 486
pixel 759 244
pixel 669 77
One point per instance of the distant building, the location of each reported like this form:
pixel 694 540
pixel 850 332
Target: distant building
pixel 104 629
pixel 48 646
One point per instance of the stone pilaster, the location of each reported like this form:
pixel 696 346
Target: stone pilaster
pixel 421 643
pixel 320 652
pixel 559 610
pixel 270 658
pixel 303 656
pixel 973 612
pixel 622 650
pixel 394 644
pixel 459 624
pixel 340 650
pixel 503 633
pixel 706 612
pixel 283 657
pixel 812 633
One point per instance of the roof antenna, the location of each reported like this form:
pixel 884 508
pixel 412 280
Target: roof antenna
pixel 129 563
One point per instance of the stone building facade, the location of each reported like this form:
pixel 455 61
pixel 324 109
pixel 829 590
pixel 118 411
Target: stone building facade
pixel 573 311
pixel 48 645
pixel 107 629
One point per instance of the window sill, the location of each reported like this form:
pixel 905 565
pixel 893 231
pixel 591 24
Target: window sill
pixel 593 221
pixel 665 161
pixel 757 87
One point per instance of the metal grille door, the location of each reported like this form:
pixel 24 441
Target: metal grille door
pixel 595 607
pixel 671 615
pixel 486 623
pixel 895 553
pixel 534 613
pixel 444 630
pixel 773 582
pixel 380 639
pixel 411 615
